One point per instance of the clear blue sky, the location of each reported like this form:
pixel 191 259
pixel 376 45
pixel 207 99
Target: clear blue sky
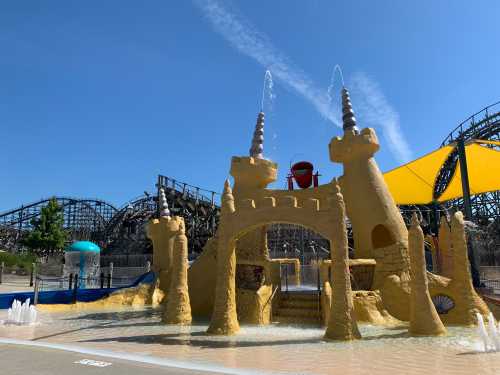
pixel 97 97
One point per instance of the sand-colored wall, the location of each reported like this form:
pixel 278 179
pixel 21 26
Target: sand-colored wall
pixel 139 296
pixel 362 272
pixel 201 280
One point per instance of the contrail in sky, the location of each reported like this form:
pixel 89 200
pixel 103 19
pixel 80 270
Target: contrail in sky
pixel 243 36
pixel 378 113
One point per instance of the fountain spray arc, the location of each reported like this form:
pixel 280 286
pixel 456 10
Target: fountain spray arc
pixel 21 313
pixel 490 336
pixel 330 92
pixel 257 146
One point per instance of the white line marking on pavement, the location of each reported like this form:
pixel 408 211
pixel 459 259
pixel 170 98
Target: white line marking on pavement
pixel 91 362
pixel 192 365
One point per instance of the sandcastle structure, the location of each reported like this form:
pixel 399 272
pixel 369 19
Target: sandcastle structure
pixel 235 281
pixel 424 319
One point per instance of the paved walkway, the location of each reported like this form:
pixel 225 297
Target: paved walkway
pixel 44 361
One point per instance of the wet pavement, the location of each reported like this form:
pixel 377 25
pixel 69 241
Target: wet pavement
pixel 139 334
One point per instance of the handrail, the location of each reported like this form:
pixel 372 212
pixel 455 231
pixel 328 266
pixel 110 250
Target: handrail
pixel 269 299
pixel 193 191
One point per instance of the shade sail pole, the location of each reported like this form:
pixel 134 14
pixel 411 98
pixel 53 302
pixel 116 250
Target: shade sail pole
pixel 465 177
pixel 468 210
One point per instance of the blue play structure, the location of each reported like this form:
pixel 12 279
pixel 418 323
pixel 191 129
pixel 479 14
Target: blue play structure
pixel 83 258
pixel 68 296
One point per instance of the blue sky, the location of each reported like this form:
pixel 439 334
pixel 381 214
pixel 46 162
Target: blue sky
pixel 96 98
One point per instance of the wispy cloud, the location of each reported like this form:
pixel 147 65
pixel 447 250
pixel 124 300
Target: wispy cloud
pixel 248 40
pixel 375 110
pixel 244 37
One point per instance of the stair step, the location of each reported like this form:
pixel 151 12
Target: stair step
pixel 297 312
pixel 307 320
pixel 299 296
pixel 298 303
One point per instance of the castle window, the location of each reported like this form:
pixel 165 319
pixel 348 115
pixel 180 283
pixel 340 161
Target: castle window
pixel 381 237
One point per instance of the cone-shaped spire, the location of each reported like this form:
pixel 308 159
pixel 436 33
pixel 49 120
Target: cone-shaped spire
pixel 424 319
pixel 347 113
pixel 164 211
pixel 257 148
pixel 227 198
pixel 414 220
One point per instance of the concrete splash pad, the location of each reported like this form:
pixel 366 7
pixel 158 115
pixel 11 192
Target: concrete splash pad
pixel 139 335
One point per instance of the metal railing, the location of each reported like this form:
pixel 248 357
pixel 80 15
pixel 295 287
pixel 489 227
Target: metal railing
pixel 126 260
pixel 307 279
pixel 269 300
pixel 189 191
pixel 493 284
pixel 74 283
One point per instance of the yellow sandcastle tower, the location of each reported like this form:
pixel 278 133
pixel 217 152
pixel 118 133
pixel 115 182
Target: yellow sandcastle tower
pixel 378 227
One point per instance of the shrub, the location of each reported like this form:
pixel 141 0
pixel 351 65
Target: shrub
pixel 17 260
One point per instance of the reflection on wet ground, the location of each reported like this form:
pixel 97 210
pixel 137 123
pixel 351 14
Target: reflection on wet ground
pixel 283 349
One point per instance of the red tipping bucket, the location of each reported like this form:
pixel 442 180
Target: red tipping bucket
pixel 302 172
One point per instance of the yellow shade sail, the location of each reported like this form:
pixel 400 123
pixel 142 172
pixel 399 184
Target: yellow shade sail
pixel 483 167
pixel 413 183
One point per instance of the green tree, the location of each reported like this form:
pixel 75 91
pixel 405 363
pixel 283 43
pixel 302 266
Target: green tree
pixel 48 234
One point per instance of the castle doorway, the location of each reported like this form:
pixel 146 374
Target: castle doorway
pixel 299 251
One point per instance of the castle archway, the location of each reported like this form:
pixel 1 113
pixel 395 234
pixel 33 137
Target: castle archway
pixel 292 257
pixel 246 216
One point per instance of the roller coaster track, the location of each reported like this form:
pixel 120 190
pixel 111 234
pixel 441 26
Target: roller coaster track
pixel 125 231
pixel 121 229
pixel 484 124
pixel 89 214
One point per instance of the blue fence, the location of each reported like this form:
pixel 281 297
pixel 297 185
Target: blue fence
pixel 68 296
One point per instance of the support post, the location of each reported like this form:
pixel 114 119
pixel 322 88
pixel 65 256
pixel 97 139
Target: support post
pixel 32 273
pixel 102 280
pixel 2 267
pixel 467 207
pixel 37 287
pixel 465 177
pixel 70 281
pixel 75 289
pixel 110 280
pixel 286 277
pixel 435 219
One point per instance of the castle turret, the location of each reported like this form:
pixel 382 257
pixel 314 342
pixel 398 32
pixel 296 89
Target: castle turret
pixel 379 229
pixel 253 173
